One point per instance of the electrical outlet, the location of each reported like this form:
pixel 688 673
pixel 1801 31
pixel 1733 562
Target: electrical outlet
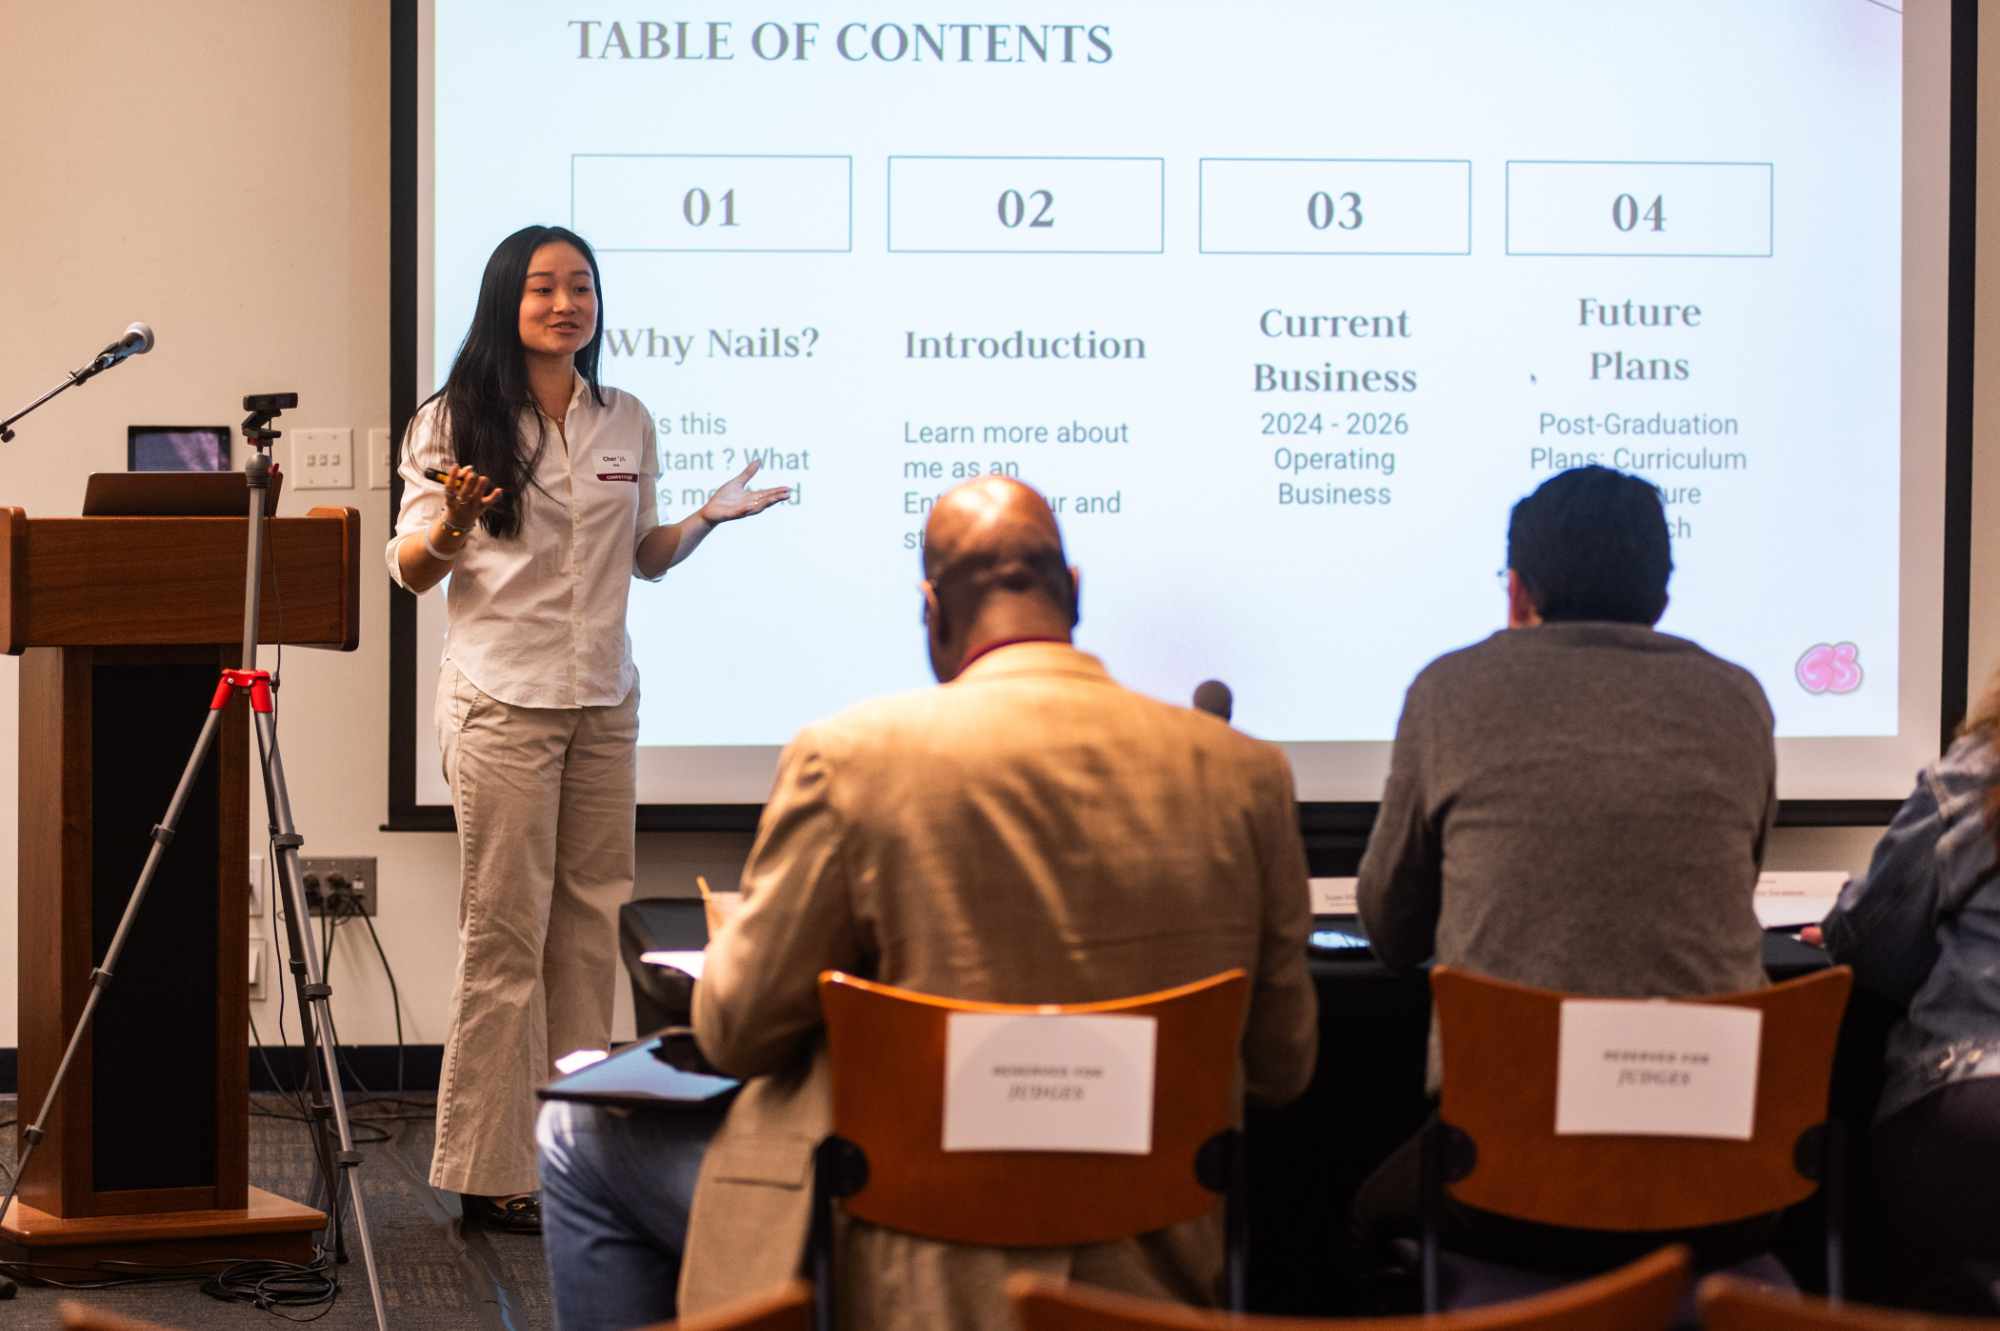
pixel 323 459
pixel 326 878
pixel 257 887
pixel 381 461
pixel 256 971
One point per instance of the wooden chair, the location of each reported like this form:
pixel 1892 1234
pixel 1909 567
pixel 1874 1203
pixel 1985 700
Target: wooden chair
pixel 82 1317
pixel 1728 1304
pixel 786 1308
pixel 886 1164
pixel 1494 1145
pixel 1639 1297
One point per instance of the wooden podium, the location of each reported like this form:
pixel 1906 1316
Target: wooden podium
pixel 123 625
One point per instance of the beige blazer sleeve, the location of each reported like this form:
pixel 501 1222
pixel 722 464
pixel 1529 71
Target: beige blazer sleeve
pixel 1281 1033
pixel 756 1009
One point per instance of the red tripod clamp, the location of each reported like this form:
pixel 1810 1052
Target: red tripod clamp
pixel 257 683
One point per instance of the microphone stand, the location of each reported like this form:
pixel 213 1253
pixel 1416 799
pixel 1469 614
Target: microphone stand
pixel 102 362
pixel 79 376
pixel 76 377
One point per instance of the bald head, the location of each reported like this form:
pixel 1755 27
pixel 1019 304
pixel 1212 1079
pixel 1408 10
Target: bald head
pixel 994 570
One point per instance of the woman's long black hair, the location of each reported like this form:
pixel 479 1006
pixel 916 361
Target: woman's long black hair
pixel 487 389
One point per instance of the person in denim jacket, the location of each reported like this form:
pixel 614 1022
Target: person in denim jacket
pixel 1922 927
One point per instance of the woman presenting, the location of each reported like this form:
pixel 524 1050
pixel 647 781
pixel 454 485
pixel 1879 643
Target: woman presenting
pixel 533 487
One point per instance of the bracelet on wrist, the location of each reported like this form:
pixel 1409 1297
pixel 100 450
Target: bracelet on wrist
pixel 442 556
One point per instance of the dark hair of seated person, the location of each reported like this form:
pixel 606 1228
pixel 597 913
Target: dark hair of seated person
pixel 1591 543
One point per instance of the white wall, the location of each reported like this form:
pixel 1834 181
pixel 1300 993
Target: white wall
pixel 220 169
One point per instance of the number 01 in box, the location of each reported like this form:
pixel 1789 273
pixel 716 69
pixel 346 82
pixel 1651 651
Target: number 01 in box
pixel 698 203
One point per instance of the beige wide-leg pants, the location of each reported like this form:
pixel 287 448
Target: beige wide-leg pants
pixel 544 798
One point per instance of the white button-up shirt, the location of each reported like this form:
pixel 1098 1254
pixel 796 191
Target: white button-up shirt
pixel 538 619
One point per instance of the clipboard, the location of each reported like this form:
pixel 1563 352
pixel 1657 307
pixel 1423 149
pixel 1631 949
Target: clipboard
pixel 657 1072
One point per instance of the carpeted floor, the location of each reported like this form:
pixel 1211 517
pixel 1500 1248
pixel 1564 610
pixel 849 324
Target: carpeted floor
pixel 434 1276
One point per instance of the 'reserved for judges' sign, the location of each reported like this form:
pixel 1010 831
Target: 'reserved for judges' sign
pixel 1049 1083
pixel 1654 1068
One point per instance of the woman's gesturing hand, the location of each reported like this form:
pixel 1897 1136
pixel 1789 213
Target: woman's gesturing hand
pixel 737 500
pixel 467 496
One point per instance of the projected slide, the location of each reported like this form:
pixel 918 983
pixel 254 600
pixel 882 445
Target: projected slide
pixel 1282 305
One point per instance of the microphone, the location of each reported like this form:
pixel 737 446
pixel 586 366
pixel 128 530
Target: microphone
pixel 1213 696
pixel 138 340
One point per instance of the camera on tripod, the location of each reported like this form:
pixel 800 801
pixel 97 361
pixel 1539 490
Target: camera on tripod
pixel 264 408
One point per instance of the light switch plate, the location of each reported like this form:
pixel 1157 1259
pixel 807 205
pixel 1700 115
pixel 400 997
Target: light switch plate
pixel 380 460
pixel 323 459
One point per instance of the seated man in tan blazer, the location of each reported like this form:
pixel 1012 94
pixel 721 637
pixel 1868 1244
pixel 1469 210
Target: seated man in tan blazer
pixel 1029 832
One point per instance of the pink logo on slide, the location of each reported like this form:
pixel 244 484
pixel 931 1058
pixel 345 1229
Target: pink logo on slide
pixel 1830 668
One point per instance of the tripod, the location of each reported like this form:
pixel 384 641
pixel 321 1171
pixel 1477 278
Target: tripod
pixel 338 1158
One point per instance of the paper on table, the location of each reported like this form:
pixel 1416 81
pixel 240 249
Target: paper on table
pixel 1334 896
pixel 578 1059
pixel 1787 900
pixel 687 963
pixel 1657 1069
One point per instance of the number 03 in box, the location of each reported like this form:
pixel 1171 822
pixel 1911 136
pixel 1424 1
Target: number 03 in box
pixel 1297 205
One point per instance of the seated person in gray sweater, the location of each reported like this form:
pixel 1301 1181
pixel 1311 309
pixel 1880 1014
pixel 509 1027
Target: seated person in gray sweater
pixel 1578 802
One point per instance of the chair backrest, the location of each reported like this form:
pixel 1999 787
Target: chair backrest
pixel 786 1308
pixel 82 1317
pixel 1499 1045
pixel 887 1049
pixel 1639 1297
pixel 1730 1304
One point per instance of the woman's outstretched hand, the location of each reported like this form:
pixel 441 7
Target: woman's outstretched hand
pixel 467 497
pixel 737 500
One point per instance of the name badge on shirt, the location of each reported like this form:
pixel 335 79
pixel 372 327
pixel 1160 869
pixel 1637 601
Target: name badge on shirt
pixel 615 464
